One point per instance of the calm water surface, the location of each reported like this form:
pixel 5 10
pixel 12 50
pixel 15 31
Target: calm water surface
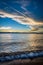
pixel 20 42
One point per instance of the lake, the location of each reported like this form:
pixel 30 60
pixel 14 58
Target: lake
pixel 11 42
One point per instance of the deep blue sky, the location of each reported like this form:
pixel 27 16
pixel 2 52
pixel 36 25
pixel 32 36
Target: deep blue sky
pixel 31 8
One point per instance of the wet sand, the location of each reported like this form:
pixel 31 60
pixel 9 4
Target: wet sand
pixel 35 61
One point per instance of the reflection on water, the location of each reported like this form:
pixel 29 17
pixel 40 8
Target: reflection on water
pixel 20 42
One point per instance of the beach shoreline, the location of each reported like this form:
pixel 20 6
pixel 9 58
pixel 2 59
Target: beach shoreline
pixel 24 61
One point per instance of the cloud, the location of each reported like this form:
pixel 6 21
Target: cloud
pixel 5 28
pixel 22 20
pixel 22 2
pixel 27 13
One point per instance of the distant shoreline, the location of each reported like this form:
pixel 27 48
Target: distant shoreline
pixel 21 32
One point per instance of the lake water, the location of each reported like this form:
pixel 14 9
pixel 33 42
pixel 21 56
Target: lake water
pixel 20 42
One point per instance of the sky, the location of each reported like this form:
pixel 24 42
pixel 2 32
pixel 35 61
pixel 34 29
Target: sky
pixel 21 14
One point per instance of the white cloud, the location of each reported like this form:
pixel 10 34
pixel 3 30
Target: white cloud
pixel 5 28
pixel 21 19
pixel 23 8
pixel 23 2
pixel 26 12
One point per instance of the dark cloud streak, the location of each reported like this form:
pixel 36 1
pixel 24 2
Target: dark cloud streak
pixel 32 8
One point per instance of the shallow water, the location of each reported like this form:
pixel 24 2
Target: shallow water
pixel 20 42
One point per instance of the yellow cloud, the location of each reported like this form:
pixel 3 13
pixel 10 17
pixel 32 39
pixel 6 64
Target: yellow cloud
pixel 22 20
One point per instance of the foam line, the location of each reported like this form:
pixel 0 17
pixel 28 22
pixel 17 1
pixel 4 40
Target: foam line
pixel 30 55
